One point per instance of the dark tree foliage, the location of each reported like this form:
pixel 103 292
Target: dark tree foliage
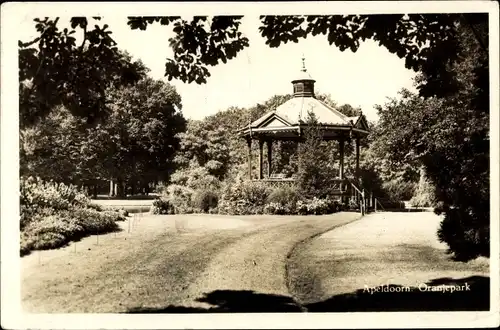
pixel 198 43
pixel 313 173
pixel 55 71
pixel 450 137
pixel 427 42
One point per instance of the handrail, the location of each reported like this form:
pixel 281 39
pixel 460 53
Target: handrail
pixel 377 201
pixel 355 187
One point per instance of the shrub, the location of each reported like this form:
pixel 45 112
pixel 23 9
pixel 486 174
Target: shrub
pixel 399 189
pixel 286 197
pixel 53 214
pixel 333 206
pixel 204 200
pixel 302 207
pixel 353 204
pixel 424 194
pixel 276 208
pixel 47 231
pixel 180 198
pixel 161 206
pixel 244 197
pixel 317 206
pixel 460 231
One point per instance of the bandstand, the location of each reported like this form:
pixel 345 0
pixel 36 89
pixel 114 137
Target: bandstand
pixel 288 121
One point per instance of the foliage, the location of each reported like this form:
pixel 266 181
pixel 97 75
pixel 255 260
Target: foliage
pixel 243 197
pixel 198 43
pixel 424 194
pixel 179 199
pixel 38 196
pixel 135 143
pixel 206 145
pixel 53 214
pixel 460 230
pixel 450 137
pixel 286 197
pixel 314 173
pixel 205 200
pixel 427 42
pixel 77 76
pixel 142 131
pixel 317 206
pixel 162 206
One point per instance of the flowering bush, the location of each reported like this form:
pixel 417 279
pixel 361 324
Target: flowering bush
pixel 276 208
pixel 53 214
pixel 286 197
pixel 243 197
pixel 176 199
pixel 317 206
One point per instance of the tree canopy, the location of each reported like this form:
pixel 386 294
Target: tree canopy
pixel 56 71
pixel 136 143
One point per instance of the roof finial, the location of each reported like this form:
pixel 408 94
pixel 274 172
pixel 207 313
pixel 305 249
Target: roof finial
pixel 303 63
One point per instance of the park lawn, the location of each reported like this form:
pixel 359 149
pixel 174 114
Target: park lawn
pixel 386 248
pixel 159 260
pixel 126 265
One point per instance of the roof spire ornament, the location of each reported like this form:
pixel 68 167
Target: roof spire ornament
pixel 303 84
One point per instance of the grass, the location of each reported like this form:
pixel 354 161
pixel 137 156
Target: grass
pixel 166 260
pixel 381 249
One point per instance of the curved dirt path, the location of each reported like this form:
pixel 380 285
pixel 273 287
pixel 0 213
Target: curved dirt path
pixel 173 264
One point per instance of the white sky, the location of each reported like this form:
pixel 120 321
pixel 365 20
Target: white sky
pixel 363 79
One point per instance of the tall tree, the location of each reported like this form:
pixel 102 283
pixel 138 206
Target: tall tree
pixel 143 126
pixel 56 71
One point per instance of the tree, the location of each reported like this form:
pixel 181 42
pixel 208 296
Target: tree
pixel 313 174
pixel 135 145
pixel 51 149
pixel 55 71
pixel 142 132
pixel 450 139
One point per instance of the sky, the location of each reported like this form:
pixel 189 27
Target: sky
pixel 362 79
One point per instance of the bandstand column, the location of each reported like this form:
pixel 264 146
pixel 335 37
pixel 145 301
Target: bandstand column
pixel 357 157
pixel 269 157
pixel 261 160
pixel 341 161
pixel 249 144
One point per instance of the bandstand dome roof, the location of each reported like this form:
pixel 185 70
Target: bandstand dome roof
pixel 287 119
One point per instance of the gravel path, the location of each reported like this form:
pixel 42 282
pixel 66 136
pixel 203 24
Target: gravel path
pixel 172 264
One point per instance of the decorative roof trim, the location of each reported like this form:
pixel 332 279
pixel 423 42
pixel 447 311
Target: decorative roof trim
pixel 331 127
pixel 273 116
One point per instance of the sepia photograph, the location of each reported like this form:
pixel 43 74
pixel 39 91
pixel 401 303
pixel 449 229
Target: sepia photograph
pixel 247 165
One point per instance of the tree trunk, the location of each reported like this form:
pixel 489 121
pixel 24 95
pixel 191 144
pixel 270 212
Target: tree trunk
pixel 133 186
pixel 120 189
